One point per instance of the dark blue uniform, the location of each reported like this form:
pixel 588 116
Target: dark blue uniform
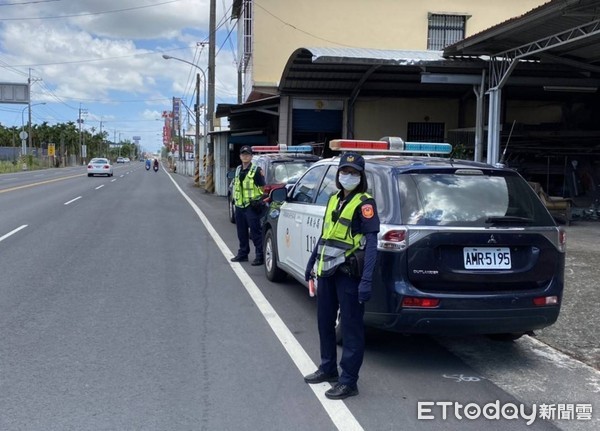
pixel 349 294
pixel 249 218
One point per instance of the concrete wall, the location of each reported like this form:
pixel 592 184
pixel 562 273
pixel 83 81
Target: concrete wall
pixel 389 117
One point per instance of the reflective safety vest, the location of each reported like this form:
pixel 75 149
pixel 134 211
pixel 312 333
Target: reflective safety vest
pixel 337 241
pixel 245 191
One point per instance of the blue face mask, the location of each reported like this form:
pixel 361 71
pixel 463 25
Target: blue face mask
pixel 349 182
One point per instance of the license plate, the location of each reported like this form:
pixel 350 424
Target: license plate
pixel 487 257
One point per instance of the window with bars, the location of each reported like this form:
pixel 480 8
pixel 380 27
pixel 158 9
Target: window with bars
pixel 247 28
pixel 425 132
pixel 444 30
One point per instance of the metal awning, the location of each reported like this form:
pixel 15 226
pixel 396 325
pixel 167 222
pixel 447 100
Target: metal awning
pixel 560 31
pixel 345 71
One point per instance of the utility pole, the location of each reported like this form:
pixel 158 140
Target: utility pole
pixel 29 110
pixel 197 144
pixel 210 109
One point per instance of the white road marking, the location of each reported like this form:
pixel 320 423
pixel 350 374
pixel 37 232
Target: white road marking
pixel 73 200
pixel 12 232
pixel 113 180
pixel 337 410
pixel 100 186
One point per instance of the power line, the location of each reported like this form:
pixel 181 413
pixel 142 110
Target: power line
pixel 299 29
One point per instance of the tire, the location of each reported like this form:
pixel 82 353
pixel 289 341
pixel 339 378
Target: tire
pixel 506 337
pixel 231 209
pixel 272 271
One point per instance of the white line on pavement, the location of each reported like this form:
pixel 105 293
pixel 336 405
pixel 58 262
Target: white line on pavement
pixel 113 180
pixel 73 200
pixel 100 186
pixel 12 232
pixel 337 410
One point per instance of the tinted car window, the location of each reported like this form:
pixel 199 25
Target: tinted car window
pixel 451 199
pixel 284 172
pixel 306 188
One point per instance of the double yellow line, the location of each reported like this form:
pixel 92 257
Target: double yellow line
pixel 12 189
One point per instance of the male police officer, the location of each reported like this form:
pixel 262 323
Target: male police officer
pixel 248 186
pixel 350 228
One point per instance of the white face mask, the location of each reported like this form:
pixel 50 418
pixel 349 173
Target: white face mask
pixel 349 182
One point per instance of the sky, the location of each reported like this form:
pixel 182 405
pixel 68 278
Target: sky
pixel 104 57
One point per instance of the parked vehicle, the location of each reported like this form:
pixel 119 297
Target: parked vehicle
pixel 464 247
pixel 280 165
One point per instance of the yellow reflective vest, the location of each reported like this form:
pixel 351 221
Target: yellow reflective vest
pixel 245 191
pixel 337 241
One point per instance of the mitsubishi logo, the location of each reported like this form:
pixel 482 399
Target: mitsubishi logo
pixel 492 240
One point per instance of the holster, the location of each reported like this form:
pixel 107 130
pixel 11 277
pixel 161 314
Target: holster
pixel 353 267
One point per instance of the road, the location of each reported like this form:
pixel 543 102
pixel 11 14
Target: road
pixel 120 310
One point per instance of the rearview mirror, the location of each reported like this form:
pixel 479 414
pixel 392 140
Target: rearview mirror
pixel 278 194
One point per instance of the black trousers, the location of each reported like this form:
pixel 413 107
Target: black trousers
pixel 341 291
pixel 249 219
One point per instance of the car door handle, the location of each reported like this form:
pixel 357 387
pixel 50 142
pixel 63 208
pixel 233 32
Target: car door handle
pixel 298 219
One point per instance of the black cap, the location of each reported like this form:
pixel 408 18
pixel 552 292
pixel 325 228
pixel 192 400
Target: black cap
pixel 246 149
pixel 353 160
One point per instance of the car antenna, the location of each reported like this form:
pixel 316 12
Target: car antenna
pixel 507 141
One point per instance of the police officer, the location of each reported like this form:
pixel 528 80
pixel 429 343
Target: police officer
pixel 248 186
pixel 345 256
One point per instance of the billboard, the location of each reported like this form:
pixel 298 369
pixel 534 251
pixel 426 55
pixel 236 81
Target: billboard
pixel 14 93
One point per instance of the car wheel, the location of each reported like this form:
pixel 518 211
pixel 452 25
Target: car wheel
pixel 231 209
pixel 272 271
pixel 508 336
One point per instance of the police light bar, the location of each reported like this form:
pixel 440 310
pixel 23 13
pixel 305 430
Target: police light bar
pixel 281 148
pixel 390 145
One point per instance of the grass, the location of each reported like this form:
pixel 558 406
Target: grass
pixel 7 167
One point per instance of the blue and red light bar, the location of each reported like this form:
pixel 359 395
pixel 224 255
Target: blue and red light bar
pixel 390 145
pixel 281 148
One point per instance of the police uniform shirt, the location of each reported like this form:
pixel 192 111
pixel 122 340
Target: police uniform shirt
pixel 367 220
pixel 259 178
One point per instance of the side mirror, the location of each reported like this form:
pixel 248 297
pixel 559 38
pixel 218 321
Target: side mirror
pixel 278 194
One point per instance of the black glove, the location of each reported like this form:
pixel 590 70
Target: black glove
pixel 364 291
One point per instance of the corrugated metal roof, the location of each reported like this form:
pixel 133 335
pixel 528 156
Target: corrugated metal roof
pixel 342 71
pixel 547 20
pixel 373 56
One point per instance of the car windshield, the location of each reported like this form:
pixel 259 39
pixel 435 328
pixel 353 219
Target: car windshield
pixel 99 161
pixel 469 198
pixel 283 172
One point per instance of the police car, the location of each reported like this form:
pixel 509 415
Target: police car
pixel 280 164
pixel 464 247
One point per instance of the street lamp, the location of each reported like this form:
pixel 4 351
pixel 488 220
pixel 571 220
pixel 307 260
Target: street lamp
pixel 197 160
pixel 24 139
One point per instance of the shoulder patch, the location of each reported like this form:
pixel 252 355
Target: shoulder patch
pixel 367 211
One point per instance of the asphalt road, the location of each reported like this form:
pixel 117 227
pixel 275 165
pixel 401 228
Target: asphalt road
pixel 120 310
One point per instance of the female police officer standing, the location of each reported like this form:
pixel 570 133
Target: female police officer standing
pixel 350 230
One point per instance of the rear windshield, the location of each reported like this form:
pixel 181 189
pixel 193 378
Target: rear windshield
pixel 283 172
pixel 470 198
pixel 99 161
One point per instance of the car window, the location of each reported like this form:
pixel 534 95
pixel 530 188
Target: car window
pixel 449 199
pixel 99 161
pixel 283 172
pixel 328 186
pixel 306 188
